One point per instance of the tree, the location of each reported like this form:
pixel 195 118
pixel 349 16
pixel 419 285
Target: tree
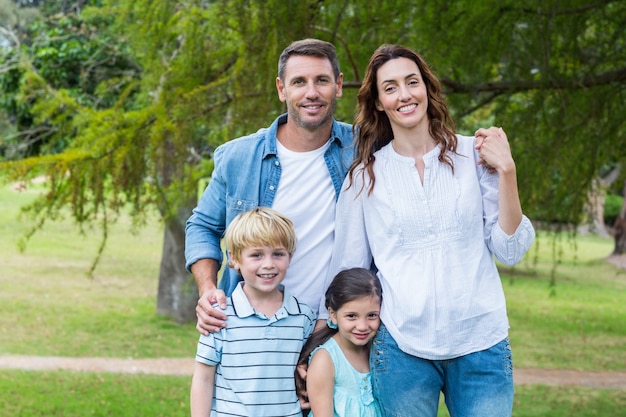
pixel 198 76
pixel 12 21
pixel 620 228
pixel 552 75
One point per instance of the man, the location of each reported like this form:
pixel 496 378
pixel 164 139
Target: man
pixel 295 166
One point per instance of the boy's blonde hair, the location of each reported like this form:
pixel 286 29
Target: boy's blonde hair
pixel 261 226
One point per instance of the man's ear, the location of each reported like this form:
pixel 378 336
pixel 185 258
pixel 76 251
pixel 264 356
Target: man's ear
pixel 280 87
pixel 339 85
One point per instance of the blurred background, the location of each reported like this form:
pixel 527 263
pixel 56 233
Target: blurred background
pixel 120 103
pixel 109 114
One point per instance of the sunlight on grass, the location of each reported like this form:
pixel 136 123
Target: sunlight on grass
pixel 48 293
pixel 568 324
pixel 72 394
pixel 52 307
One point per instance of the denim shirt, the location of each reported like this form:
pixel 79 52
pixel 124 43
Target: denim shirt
pixel 245 176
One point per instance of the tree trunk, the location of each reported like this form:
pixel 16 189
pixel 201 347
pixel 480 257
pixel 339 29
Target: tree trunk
pixel 595 209
pixel 620 228
pixel 596 199
pixel 177 293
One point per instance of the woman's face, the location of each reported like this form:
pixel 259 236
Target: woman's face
pixel 402 94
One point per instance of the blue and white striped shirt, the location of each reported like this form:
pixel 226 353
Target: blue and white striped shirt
pixel 256 357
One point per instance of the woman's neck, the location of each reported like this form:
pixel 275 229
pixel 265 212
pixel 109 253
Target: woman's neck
pixel 414 143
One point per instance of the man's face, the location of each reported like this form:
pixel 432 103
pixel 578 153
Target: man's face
pixel 309 90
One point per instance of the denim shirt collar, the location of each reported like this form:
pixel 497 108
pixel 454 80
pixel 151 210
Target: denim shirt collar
pixel 270 134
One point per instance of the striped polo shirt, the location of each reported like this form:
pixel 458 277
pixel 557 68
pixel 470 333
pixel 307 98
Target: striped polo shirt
pixel 256 357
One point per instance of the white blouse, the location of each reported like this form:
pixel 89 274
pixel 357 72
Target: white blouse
pixel 434 246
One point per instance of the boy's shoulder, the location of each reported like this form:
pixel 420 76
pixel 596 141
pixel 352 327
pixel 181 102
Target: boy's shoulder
pixel 230 307
pixel 295 306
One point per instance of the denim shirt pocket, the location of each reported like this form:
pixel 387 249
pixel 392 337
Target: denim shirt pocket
pixel 235 206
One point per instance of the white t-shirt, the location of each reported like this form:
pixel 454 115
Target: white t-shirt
pixel 307 196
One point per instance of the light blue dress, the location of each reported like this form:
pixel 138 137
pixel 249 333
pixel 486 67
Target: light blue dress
pixel 353 395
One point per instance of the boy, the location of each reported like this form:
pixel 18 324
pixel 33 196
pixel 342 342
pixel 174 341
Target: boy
pixel 247 368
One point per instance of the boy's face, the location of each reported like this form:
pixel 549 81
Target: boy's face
pixel 263 267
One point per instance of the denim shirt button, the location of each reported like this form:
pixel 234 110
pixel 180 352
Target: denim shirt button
pixel 276 163
pixel 239 202
pixel 272 187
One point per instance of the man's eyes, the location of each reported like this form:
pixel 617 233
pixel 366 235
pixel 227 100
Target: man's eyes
pixel 321 80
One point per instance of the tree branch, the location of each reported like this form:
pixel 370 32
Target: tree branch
pixel 558 12
pixel 355 68
pixel 510 87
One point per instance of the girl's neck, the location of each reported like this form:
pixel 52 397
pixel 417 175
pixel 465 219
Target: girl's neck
pixel 358 356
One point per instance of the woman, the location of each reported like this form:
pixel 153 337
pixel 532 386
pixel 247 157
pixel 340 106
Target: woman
pixel 431 209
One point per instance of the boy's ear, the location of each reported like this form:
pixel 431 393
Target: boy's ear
pixel 232 262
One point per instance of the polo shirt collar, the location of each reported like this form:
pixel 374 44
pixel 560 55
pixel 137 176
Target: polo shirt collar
pixel 243 309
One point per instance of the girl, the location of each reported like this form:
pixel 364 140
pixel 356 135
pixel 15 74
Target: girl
pixel 338 377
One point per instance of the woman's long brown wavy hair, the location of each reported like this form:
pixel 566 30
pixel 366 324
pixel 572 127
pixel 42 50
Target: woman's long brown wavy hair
pixel 372 129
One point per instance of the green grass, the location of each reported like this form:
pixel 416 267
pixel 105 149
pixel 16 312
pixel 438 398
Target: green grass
pixel 50 306
pixel 536 401
pixel 47 294
pixel 577 323
pixel 75 394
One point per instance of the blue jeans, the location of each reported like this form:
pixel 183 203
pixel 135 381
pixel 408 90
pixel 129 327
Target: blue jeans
pixel 479 384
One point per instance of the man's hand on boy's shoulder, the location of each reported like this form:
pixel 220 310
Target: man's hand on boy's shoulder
pixel 211 319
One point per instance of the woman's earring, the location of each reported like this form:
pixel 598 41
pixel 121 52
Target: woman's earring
pixel 330 324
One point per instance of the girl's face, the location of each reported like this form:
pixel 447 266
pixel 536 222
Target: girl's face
pixel 402 94
pixel 357 321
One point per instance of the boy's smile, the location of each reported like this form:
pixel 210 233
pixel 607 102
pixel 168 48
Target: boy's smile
pixel 263 267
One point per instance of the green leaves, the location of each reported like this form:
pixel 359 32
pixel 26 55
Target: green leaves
pixel 135 95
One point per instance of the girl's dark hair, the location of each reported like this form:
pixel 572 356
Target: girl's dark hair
pixel 348 285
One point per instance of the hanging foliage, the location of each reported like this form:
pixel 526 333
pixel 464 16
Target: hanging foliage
pixel 121 103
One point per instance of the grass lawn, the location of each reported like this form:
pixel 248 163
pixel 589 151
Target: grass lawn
pixel 51 306
pixel 579 322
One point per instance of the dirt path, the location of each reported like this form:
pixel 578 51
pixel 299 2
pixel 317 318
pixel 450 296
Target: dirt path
pixel 184 367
